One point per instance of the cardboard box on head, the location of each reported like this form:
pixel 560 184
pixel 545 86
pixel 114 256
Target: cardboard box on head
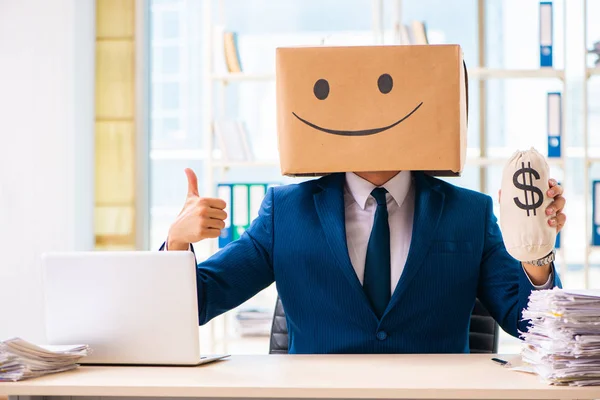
pixel 371 108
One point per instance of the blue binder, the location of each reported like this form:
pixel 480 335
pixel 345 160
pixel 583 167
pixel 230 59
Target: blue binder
pixel 554 124
pixel 545 34
pixel 243 203
pixel 596 213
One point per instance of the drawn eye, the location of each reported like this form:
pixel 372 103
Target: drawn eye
pixel 385 83
pixel 321 89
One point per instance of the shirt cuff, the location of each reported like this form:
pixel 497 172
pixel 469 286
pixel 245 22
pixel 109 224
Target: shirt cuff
pixel 548 285
pixel 166 248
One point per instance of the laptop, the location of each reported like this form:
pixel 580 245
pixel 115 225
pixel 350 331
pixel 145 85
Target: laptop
pixel 130 307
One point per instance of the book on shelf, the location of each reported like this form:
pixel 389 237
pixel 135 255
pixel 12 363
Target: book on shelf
pixel 232 54
pixel 243 204
pixel 233 140
pixel 546 34
pixel 405 36
pixel 219 64
pixel 419 32
pixel 416 33
pixel 554 124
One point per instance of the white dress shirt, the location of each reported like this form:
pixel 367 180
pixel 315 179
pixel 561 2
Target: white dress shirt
pixel 360 214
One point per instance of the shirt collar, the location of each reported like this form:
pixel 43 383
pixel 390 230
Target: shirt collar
pixel 361 189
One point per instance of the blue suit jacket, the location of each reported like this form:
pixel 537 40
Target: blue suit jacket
pixel 299 241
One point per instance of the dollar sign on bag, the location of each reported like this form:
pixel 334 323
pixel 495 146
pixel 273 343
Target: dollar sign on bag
pixel 528 188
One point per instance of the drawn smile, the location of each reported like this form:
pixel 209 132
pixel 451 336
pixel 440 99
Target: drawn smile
pixel 362 132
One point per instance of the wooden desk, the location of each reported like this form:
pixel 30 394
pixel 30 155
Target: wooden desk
pixel 303 376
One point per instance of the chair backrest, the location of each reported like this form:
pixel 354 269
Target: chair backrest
pixel 483 334
pixel 483 331
pixel 279 331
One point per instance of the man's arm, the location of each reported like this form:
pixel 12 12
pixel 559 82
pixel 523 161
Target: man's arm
pixel 540 276
pixel 504 284
pixel 238 271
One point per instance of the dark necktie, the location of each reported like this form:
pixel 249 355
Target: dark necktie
pixel 377 280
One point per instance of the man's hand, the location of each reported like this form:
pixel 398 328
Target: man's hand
pixel 555 209
pixel 540 275
pixel 200 218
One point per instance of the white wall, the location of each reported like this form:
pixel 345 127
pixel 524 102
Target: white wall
pixel 46 147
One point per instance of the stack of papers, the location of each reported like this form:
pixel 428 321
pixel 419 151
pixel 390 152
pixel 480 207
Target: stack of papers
pixel 563 341
pixel 254 322
pixel 20 359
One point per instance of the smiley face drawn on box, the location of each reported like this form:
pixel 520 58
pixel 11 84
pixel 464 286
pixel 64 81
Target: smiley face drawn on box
pixel 371 108
pixel 385 84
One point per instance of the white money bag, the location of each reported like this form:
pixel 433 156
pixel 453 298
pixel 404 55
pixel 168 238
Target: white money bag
pixel 523 202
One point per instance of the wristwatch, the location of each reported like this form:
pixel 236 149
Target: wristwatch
pixel 543 261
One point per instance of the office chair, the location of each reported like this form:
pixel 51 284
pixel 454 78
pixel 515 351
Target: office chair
pixel 483 334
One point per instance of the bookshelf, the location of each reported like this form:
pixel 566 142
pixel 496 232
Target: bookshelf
pixel 216 83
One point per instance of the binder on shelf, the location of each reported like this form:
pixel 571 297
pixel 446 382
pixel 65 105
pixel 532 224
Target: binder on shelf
pixel 257 194
pixel 554 124
pixel 545 34
pixel 243 204
pixel 239 207
pixel 224 193
pixel 596 213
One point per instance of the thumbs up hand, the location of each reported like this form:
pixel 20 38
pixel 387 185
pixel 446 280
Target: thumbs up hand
pixel 200 218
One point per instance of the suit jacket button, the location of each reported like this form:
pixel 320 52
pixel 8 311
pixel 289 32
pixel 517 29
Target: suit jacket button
pixel 381 335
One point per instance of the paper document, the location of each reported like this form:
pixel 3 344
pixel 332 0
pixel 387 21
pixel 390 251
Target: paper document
pixel 563 340
pixel 20 359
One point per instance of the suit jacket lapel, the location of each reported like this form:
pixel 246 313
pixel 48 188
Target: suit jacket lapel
pixel 329 203
pixel 429 204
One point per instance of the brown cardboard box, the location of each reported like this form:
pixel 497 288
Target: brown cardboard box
pixel 371 108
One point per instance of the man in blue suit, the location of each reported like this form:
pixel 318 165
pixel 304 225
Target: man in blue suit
pixel 312 240
pixel 368 262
